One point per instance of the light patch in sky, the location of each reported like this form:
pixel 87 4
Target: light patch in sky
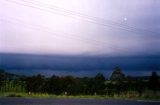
pixel 125 19
pixel 80 27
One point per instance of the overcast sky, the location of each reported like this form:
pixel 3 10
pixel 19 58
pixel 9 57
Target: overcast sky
pixel 75 27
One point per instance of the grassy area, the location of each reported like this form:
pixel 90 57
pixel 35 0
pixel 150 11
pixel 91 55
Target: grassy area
pixel 44 95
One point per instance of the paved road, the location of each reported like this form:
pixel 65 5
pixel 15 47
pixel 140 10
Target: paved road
pixel 54 101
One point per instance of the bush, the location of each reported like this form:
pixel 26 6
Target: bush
pixel 14 95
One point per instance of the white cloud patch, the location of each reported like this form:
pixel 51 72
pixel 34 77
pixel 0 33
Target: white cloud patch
pixel 40 26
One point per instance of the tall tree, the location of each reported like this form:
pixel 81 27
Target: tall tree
pixel 35 83
pixel 117 79
pixel 2 74
pixel 154 82
pixel 99 83
pixel 54 85
pixel 117 74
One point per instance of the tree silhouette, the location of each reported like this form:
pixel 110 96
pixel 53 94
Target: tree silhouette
pixel 2 74
pixel 35 83
pixel 117 74
pixel 99 83
pixel 154 82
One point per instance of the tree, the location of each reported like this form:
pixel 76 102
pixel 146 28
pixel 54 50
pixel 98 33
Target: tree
pixel 35 83
pixel 117 79
pixel 54 85
pixel 87 85
pixel 139 86
pixel 99 83
pixel 154 82
pixel 2 74
pixel 71 85
pixel 117 74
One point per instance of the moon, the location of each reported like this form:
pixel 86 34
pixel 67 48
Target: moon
pixel 125 19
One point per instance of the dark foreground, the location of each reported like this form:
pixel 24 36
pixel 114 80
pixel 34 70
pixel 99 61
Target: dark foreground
pixel 54 101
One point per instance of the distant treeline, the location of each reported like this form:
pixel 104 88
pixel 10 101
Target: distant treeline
pixel 117 84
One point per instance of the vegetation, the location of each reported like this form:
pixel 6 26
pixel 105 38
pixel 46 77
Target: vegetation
pixel 117 86
pixel 154 82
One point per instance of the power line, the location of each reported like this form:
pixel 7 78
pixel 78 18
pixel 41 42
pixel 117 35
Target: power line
pixel 84 17
pixel 89 41
pixel 67 16
pixel 91 19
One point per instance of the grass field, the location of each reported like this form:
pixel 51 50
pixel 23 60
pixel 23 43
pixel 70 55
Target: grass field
pixel 44 95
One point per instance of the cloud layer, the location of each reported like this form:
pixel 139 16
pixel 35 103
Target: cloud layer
pixel 33 27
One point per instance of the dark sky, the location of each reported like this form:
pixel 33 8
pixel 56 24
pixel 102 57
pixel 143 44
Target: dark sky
pixel 78 65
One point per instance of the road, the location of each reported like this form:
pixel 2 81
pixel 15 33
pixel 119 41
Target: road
pixel 54 101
